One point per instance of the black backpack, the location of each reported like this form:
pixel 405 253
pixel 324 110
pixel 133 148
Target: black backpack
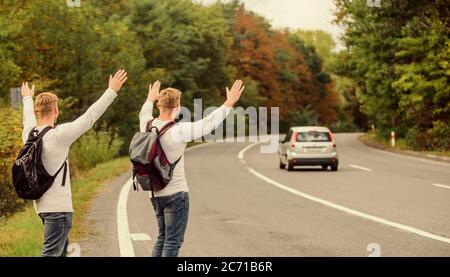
pixel 30 178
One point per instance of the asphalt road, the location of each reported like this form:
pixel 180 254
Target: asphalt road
pixel 250 207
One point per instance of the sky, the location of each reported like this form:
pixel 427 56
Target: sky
pixel 302 14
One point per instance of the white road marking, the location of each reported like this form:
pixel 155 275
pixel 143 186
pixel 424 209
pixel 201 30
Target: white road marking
pixel 140 237
pixel 441 186
pixel 73 250
pixel 241 153
pixel 360 167
pixel 123 230
pixel 337 206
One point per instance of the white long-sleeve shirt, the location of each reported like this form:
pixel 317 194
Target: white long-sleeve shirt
pixel 55 150
pixel 174 141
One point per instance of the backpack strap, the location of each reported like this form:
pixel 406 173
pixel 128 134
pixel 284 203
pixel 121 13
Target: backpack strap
pixel 153 194
pixel 149 125
pixel 35 132
pixel 45 130
pixel 175 163
pixel 133 174
pixel 64 165
pixel 163 129
pixel 166 128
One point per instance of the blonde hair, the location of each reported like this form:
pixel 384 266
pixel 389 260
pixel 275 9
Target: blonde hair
pixel 169 98
pixel 44 104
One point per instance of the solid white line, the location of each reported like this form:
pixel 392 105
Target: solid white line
pixel 441 186
pixel 140 237
pixel 123 230
pixel 361 167
pixel 241 153
pixel 339 207
pixel 73 250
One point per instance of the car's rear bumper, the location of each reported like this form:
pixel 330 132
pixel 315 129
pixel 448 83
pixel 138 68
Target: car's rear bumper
pixel 315 161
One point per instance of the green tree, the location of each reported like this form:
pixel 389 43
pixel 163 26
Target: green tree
pixel 9 70
pixel 10 144
pixel 185 45
pixel 398 56
pixel 423 87
pixel 71 51
pixel 322 42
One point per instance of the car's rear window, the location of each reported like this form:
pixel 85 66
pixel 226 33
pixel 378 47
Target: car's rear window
pixel 313 136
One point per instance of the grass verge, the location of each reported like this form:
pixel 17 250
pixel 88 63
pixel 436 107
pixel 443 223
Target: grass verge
pixel 22 233
pixel 372 140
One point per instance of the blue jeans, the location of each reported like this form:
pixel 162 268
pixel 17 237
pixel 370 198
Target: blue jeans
pixel 56 233
pixel 172 215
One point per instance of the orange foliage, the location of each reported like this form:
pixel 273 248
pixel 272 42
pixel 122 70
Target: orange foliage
pixel 283 74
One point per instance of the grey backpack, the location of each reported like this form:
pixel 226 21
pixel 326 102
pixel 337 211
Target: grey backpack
pixel 151 168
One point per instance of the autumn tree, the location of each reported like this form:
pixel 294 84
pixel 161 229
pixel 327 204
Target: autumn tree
pixel 288 73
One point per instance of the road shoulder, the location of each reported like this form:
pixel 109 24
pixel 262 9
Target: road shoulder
pixel 100 239
pixel 410 153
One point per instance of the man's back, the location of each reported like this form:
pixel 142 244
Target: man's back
pixel 174 141
pixel 174 150
pixel 56 145
pixel 58 198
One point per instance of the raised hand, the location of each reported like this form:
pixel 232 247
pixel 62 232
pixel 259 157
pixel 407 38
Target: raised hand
pixel 153 91
pixel 26 91
pixel 116 82
pixel 234 93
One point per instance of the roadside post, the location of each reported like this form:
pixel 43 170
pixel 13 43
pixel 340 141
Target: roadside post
pixel 393 139
pixel 16 98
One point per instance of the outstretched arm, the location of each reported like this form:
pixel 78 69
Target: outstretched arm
pixel 146 113
pixel 70 132
pixel 190 131
pixel 29 118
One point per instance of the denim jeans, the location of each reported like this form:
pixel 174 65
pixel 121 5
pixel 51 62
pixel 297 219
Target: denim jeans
pixel 172 215
pixel 56 233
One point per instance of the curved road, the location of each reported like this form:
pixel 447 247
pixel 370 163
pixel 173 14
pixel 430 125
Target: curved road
pixel 249 207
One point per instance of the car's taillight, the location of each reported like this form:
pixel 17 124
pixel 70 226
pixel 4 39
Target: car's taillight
pixel 332 138
pixel 294 139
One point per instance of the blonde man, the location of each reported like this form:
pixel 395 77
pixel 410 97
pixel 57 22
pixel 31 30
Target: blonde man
pixel 171 204
pixel 55 206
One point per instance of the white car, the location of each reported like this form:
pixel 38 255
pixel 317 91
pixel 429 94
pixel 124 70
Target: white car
pixel 308 145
